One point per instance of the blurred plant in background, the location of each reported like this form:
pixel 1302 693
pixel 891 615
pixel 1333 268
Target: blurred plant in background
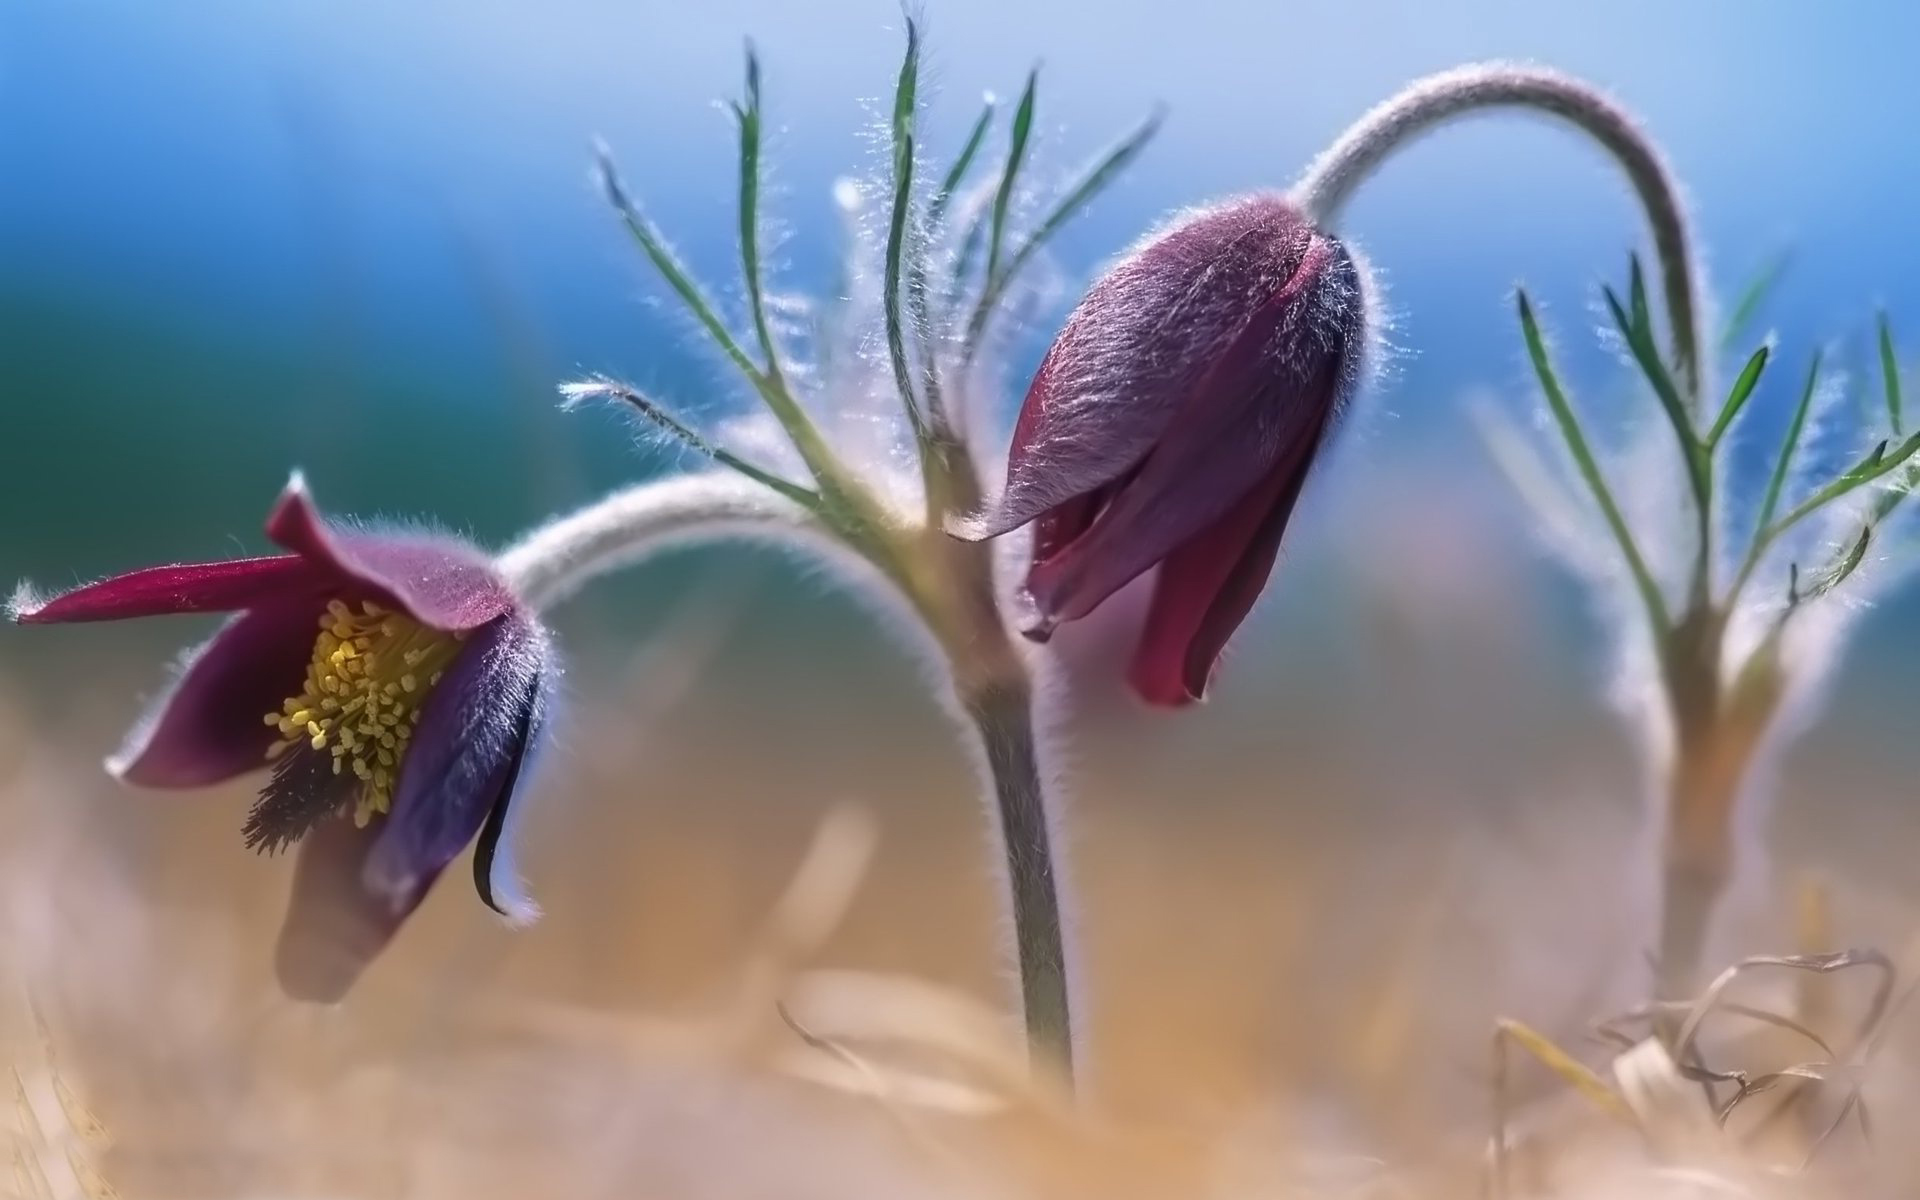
pixel 1739 645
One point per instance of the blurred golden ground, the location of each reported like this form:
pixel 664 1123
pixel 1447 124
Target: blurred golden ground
pixel 1299 913
pixel 1307 951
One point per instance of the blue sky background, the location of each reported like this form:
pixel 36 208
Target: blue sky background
pixel 361 238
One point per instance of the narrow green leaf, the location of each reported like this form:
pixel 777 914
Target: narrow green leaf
pixel 964 257
pixel 1589 469
pixel 1890 374
pixel 1637 294
pixel 957 173
pixel 1789 445
pixel 897 232
pixel 799 427
pixel 1009 176
pixel 1737 398
pixel 1105 169
pixel 1747 307
pixel 919 306
pixel 1847 565
pixel 668 265
pixel 665 420
pixel 748 117
pixel 1639 340
pixel 1876 464
pixel 1763 529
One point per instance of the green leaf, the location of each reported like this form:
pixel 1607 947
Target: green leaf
pixel 937 206
pixel 1890 374
pixel 1737 398
pixel 1879 461
pixel 1850 562
pixel 1009 176
pixel 1637 293
pixel 665 420
pixel 919 308
pixel 655 247
pixel 1639 337
pixel 1105 169
pixel 903 112
pixel 963 258
pixel 1747 307
pixel 748 117
pixel 1789 445
pixel 1589 469
pixel 799 427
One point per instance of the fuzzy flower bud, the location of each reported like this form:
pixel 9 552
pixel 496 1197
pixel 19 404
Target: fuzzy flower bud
pixel 1173 423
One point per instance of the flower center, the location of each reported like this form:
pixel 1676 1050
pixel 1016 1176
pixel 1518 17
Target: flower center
pixel 369 673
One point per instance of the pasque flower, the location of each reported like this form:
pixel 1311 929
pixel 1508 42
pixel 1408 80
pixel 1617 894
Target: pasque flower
pixel 1172 424
pixel 393 687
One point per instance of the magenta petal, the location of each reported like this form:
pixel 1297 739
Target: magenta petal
pixel 334 927
pixel 1122 372
pixel 462 766
pixel 1266 400
pixel 178 588
pixel 210 726
pixel 439 581
pixel 1205 590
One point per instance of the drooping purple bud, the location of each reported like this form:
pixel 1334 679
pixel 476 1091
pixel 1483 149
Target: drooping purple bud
pixel 1172 424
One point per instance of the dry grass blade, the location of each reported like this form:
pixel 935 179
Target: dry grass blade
pixel 925 1044
pixel 1651 1015
pixel 1685 1043
pixel 896 1090
pixel 1508 1033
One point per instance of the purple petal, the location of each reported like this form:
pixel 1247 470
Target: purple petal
pixel 441 581
pixel 1124 366
pixel 209 725
pixel 178 588
pixel 1205 590
pixel 1266 400
pixel 462 764
pixel 334 927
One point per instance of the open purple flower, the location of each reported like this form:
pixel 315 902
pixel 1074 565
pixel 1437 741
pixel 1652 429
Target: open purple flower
pixel 1172 424
pixel 393 685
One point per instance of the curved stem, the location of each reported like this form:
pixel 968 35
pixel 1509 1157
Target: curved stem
pixel 556 560
pixel 1427 103
pixel 948 600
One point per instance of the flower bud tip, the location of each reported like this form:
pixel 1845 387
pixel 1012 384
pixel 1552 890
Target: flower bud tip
pixel 24 603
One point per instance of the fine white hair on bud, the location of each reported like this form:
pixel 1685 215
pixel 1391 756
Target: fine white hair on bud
pixel 25 601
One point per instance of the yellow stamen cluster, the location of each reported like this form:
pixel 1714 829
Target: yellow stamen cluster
pixel 369 673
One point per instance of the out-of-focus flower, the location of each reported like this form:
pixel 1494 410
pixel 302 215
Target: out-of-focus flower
pixel 1173 423
pixel 393 685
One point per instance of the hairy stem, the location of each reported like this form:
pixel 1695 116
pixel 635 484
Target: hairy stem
pixel 1003 715
pixel 942 587
pixel 1428 103
pixel 629 526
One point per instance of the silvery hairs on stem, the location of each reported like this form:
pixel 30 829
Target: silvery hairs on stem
pixel 858 459
pixel 1712 677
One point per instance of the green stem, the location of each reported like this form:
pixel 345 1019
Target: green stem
pixel 1428 103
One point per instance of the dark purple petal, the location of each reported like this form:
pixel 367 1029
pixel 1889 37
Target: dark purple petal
pixel 496 875
pixel 1126 365
pixel 334 927
pixel 1264 401
pixel 462 764
pixel 209 726
pixel 1205 590
pixel 178 588
pixel 440 581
